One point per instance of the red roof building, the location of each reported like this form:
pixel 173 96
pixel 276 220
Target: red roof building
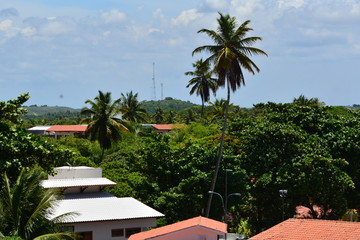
pixel 194 228
pixel 311 229
pixel 163 128
pixel 66 130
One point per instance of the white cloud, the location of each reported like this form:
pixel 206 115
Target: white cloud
pixel 245 8
pixel 214 5
pixel 290 3
pixel 5 25
pixel 186 17
pixel 113 16
pixel 28 31
pixel 56 28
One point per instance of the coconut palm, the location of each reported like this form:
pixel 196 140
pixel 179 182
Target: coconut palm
pixel 25 207
pixel 131 109
pixel 104 121
pixel 229 55
pixel 202 82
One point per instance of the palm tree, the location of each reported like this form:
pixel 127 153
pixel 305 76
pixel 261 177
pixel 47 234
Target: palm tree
pixel 229 54
pixel 104 122
pixel 312 102
pixel 159 115
pixel 131 109
pixel 25 207
pixel 218 109
pixel 202 82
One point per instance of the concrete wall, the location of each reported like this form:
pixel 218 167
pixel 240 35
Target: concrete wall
pixel 102 230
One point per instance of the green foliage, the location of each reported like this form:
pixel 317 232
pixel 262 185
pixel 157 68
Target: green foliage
pixel 25 206
pixel 166 104
pixel 11 110
pixel 19 149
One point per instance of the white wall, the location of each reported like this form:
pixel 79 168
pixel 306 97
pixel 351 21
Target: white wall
pixel 77 172
pixel 102 230
pixel 195 233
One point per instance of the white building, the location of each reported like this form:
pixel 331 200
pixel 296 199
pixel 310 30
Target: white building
pixel 98 215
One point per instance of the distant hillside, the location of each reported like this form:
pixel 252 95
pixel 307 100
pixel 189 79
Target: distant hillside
pixel 50 113
pixel 167 104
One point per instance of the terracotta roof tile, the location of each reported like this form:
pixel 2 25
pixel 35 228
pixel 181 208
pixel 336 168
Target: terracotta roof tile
pixel 193 222
pixel 67 128
pixel 311 229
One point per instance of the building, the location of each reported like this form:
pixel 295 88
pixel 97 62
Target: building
pixel 58 131
pixel 39 130
pixel 198 228
pixel 163 128
pixel 311 229
pixel 97 215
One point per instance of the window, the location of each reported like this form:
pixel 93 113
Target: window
pixel 131 231
pixel 117 232
pixel 85 235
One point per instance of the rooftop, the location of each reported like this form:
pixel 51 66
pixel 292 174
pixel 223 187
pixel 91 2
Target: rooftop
pixel 77 182
pixel 103 208
pixel 67 128
pixel 163 126
pixel 179 226
pixel 310 229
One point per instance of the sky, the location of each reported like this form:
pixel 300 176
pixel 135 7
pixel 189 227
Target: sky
pixel 63 51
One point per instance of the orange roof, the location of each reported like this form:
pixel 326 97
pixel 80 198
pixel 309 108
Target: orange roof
pixel 310 229
pixel 186 224
pixel 67 128
pixel 163 126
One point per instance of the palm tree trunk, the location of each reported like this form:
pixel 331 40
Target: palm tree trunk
pixel 102 154
pixel 219 156
pixel 202 109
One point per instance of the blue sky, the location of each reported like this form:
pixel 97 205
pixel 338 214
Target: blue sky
pixel 63 51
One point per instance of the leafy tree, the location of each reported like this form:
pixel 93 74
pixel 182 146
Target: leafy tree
pixel 131 108
pixel 19 149
pixel 302 100
pixel 202 82
pixel 104 123
pixel 25 207
pixel 159 115
pixel 229 55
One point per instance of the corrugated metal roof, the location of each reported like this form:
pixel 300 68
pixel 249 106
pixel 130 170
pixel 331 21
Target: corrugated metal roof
pixel 76 182
pixel 180 226
pixel 39 128
pixel 67 128
pixel 104 209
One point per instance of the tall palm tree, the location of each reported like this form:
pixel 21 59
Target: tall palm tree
pixel 25 207
pixel 104 122
pixel 202 82
pixel 230 53
pixel 131 108
pixel 159 115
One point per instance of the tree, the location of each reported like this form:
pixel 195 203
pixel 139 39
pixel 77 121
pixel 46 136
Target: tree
pixel 229 55
pixel 159 115
pixel 19 149
pixel 25 207
pixel 202 82
pixel 104 123
pixel 131 109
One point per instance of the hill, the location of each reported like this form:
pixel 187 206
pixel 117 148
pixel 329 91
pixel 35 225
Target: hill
pixel 167 104
pixel 50 113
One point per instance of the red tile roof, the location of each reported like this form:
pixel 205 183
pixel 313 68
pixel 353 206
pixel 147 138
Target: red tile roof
pixel 311 229
pixel 67 128
pixel 186 224
pixel 163 126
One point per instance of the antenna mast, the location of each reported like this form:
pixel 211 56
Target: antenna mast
pixel 154 86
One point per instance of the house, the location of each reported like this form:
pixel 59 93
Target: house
pixel 198 228
pixel 98 215
pixel 39 130
pixel 311 229
pixel 162 128
pixel 58 131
